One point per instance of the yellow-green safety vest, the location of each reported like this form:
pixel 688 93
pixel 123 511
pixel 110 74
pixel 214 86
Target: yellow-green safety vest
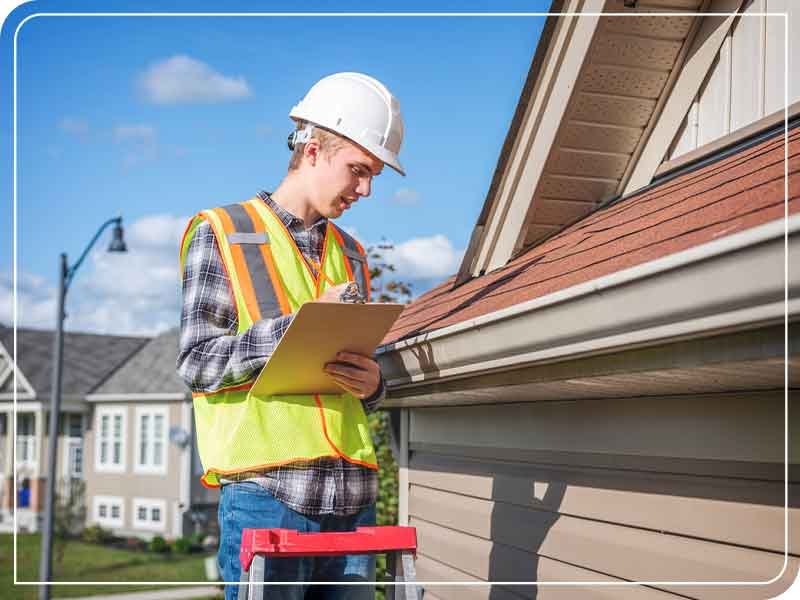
pixel 238 431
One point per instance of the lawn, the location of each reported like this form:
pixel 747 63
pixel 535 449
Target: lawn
pixel 90 562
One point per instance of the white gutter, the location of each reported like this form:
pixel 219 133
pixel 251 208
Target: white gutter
pixel 701 288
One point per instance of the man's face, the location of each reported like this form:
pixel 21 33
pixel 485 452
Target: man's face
pixel 341 178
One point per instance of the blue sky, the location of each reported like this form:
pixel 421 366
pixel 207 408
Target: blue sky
pixel 158 117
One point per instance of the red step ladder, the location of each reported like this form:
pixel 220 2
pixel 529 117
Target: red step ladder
pixel 399 543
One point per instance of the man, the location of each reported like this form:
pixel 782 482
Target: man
pixel 298 462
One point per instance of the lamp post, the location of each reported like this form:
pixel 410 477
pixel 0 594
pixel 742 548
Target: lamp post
pixel 66 273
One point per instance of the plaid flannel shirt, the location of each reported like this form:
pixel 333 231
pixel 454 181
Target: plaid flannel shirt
pixel 211 356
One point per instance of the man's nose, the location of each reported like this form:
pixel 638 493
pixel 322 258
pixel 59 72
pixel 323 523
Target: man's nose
pixel 364 186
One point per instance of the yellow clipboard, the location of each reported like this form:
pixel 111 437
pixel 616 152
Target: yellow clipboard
pixel 318 331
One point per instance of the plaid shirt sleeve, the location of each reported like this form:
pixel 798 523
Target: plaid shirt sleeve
pixel 210 355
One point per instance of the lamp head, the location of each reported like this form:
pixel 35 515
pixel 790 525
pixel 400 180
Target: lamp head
pixel 117 241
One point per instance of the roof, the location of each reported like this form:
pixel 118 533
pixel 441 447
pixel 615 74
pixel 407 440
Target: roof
pixel 738 192
pixel 149 371
pixel 89 358
pixel 593 91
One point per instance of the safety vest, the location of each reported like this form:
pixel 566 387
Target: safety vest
pixel 238 431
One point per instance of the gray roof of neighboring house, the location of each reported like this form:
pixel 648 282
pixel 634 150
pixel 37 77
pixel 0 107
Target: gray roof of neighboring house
pixel 89 358
pixel 149 371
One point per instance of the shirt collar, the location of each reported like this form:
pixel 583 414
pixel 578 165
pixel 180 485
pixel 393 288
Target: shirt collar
pixel 286 217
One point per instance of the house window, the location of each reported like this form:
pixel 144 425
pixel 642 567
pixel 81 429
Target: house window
pixel 72 425
pixel 151 439
pixel 108 510
pixel 26 439
pixel 149 514
pixel 73 466
pixel 110 440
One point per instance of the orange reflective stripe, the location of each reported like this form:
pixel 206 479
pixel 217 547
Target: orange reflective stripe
pixel 340 241
pixel 269 261
pixel 339 453
pixel 245 283
pixel 365 266
pixel 321 274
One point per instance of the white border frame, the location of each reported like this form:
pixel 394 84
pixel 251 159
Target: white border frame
pixel 110 467
pixel 152 411
pixel 110 501
pixel 436 14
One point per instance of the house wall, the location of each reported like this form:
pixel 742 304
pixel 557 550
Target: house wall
pixel 680 488
pixel 130 487
pixel 748 78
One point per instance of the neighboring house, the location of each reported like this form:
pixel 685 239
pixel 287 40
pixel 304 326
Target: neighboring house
pixel 142 469
pixel 89 359
pixel 598 394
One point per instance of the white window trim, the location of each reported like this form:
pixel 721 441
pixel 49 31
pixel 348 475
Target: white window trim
pixel 109 467
pixel 149 504
pixel 108 521
pixel 162 410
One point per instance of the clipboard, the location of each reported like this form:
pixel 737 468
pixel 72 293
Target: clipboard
pixel 318 331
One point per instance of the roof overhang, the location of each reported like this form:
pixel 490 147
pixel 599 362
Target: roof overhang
pixel 583 130
pixel 656 303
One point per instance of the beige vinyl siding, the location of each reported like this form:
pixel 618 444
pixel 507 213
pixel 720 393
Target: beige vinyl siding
pixel 748 78
pixel 682 488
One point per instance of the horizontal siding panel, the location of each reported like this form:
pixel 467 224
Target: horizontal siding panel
pixel 688 506
pixel 429 569
pixel 616 553
pixel 731 427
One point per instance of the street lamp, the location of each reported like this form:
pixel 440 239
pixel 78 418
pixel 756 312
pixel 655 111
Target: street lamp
pixel 66 273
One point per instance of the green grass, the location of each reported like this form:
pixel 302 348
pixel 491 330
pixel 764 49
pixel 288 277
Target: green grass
pixel 90 562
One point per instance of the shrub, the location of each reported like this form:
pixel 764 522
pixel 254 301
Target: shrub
pixel 95 534
pixel 184 545
pixel 159 544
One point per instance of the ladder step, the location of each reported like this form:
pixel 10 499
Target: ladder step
pixel 277 542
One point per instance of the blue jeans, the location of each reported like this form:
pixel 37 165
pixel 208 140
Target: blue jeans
pixel 247 505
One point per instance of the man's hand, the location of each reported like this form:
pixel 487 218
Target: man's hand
pixel 332 294
pixel 357 374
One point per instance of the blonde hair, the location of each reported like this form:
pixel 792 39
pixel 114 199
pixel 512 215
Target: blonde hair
pixel 329 143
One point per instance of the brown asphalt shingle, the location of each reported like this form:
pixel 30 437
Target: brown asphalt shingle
pixel 739 192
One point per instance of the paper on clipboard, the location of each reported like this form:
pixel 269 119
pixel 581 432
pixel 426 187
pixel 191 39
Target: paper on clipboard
pixel 318 331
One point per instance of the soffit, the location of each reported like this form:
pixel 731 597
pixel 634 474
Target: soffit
pixel 626 73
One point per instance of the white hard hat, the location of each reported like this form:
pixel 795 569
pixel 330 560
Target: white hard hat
pixel 357 107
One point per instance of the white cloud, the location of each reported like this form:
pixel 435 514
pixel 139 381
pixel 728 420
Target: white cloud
pixel 425 258
pixel 182 79
pixel 36 301
pixel 79 127
pixel 405 196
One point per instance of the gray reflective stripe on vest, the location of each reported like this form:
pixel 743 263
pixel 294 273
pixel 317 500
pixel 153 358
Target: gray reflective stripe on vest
pixel 237 237
pixel 266 298
pixel 357 262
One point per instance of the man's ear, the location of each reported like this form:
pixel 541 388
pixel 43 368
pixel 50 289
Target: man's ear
pixel 311 151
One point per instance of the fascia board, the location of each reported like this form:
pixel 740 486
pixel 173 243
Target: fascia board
pixel 696 292
pixel 540 125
